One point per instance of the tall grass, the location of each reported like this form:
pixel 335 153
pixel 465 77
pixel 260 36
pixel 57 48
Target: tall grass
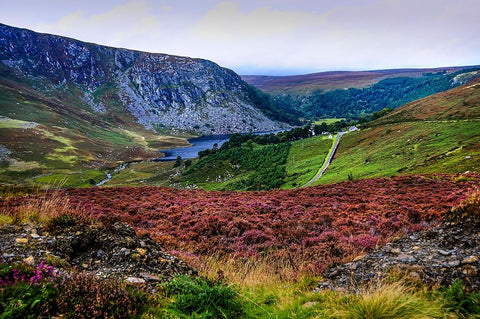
pixel 42 207
pixel 384 302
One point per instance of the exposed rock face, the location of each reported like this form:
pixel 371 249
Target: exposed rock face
pixel 435 257
pixel 105 251
pixel 157 89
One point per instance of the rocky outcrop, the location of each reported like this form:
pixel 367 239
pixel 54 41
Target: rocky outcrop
pixel 105 251
pixel 159 90
pixel 434 257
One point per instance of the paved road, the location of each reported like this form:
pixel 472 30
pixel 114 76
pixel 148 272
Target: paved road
pixel 328 160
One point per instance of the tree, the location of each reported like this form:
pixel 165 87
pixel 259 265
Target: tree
pixel 178 161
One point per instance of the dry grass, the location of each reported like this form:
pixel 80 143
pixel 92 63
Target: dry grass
pixel 40 208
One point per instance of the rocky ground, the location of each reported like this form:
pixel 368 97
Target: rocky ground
pixel 435 257
pixel 106 251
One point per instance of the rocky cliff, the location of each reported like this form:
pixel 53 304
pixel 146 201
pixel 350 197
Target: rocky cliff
pixel 159 90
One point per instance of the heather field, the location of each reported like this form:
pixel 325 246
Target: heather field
pixel 303 230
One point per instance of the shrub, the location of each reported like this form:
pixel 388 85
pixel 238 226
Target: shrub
pixel 202 298
pixel 457 300
pixel 87 296
pixel 27 292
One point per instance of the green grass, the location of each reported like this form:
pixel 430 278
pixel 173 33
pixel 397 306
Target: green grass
pixel 77 179
pixel 304 159
pixel 406 148
pixel 328 120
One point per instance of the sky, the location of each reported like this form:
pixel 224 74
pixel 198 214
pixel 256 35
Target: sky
pixel 270 37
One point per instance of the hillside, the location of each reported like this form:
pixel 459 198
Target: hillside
pixel 439 133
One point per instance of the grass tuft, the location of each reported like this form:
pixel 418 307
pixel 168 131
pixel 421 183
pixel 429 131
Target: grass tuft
pixel 384 302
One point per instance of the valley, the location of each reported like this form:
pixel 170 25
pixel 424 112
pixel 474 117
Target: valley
pixel 362 185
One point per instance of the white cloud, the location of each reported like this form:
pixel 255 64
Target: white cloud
pixel 117 27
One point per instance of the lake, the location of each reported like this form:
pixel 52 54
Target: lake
pixel 199 144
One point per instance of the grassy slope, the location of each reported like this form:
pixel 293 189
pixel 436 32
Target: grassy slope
pixel 66 141
pixel 440 133
pixel 304 159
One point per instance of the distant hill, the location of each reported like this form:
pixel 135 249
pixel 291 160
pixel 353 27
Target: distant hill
pixel 353 95
pixel 307 84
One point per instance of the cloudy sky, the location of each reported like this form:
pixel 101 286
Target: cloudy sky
pixel 270 36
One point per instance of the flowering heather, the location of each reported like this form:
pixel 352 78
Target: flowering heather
pixel 309 228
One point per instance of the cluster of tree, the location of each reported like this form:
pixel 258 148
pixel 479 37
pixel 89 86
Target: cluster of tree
pixel 263 166
pixel 279 108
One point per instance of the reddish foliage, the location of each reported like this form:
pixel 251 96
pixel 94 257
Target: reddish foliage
pixel 313 226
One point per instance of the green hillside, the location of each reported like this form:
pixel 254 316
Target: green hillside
pixel 438 134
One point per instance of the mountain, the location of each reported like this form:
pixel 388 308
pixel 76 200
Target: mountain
pixel 157 90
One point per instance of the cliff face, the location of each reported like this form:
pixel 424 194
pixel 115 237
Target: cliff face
pixel 159 90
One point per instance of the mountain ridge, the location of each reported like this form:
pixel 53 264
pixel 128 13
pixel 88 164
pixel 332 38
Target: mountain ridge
pixel 157 89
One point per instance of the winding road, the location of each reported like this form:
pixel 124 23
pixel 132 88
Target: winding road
pixel 327 161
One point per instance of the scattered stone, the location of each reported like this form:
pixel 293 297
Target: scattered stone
pixel 135 280
pixel 99 250
pixel 437 256
pixel 21 241
pixel 470 260
pixel 141 251
pixel 30 260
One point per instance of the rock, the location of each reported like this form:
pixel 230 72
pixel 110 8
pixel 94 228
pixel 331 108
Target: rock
pixel 443 252
pixel 404 258
pixel 141 251
pixel 470 260
pixel 35 236
pixel 454 263
pixel 21 241
pixel 135 280
pixel 155 89
pixel 395 251
pixel 30 260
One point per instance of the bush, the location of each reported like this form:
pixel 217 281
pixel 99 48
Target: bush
pixel 202 298
pixel 457 300
pixel 29 292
